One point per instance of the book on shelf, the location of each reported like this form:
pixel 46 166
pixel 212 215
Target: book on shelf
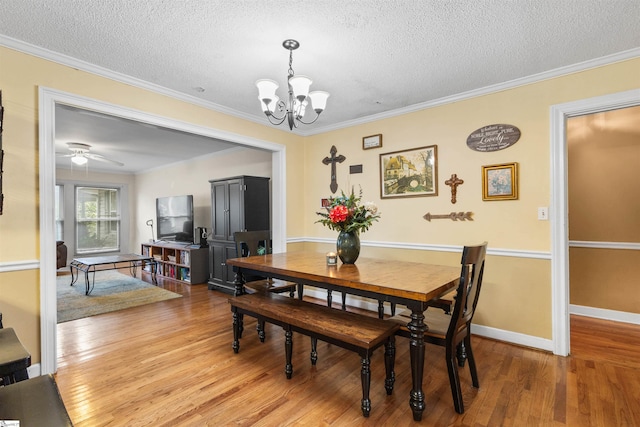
pixel 185 274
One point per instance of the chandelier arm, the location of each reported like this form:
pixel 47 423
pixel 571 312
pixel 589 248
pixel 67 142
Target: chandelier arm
pixel 278 120
pixel 311 122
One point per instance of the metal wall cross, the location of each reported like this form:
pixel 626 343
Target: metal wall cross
pixel 332 160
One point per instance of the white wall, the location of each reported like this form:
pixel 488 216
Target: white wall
pixel 192 178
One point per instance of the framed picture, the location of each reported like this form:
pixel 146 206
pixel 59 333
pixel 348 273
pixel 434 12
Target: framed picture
pixel 372 141
pixel 500 182
pixel 409 173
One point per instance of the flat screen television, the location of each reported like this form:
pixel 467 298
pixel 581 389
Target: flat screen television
pixel 175 218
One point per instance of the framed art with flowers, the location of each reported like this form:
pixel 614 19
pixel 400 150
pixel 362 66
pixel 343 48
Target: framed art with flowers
pixel 409 173
pixel 500 182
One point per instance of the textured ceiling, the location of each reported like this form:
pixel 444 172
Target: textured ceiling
pixel 373 56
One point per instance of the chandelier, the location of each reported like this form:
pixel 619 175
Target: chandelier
pixel 293 110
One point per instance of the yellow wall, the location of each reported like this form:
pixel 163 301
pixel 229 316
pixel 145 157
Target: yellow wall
pixel 518 291
pixel 20 77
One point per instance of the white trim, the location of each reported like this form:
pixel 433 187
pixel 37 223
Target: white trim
pixel 48 98
pixel 484 331
pixel 512 337
pixel 559 215
pixel 603 313
pixel 104 72
pixel 34 370
pixel 604 245
pixel 518 253
pixel 31 264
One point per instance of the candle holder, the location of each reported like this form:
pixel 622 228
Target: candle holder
pixel 332 258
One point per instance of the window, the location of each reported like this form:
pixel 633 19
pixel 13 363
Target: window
pixel 97 219
pixel 59 208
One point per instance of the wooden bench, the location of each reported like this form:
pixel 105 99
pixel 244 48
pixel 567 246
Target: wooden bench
pixel 355 332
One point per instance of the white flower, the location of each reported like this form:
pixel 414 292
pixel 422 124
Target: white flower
pixel 371 208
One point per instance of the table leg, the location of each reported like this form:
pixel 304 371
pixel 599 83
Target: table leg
pixel 416 350
pixel 154 272
pixel 86 281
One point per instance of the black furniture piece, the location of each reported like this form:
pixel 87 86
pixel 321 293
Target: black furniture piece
pixel 454 331
pixel 249 243
pixel 14 357
pixel 237 204
pixel 61 254
pixel 35 402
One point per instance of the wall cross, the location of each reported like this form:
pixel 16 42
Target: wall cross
pixel 453 182
pixel 332 160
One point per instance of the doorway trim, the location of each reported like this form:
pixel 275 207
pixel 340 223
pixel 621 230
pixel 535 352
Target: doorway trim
pixel 559 214
pixel 48 98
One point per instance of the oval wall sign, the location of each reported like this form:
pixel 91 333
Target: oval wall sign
pixel 493 138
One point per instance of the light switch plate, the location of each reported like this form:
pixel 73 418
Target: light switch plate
pixel 543 213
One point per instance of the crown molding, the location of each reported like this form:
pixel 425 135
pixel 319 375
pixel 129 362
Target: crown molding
pixel 123 78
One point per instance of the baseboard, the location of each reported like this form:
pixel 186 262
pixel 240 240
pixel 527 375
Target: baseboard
pixel 483 331
pixel 34 370
pixel 602 313
pixel 512 337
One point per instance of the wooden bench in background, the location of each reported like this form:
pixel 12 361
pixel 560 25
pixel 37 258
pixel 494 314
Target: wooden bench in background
pixel 355 332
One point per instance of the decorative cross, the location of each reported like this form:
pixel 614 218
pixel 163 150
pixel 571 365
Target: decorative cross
pixel 333 159
pixel 453 182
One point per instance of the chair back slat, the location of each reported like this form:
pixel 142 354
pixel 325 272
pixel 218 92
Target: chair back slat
pixel 468 289
pixel 248 243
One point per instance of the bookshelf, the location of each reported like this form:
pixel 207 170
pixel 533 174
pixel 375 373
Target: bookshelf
pixel 179 261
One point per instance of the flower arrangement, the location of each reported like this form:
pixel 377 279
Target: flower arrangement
pixel 347 213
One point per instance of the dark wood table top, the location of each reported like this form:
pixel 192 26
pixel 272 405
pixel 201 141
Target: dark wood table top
pixel 397 279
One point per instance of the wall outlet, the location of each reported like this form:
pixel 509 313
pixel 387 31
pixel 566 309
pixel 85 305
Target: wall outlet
pixel 543 213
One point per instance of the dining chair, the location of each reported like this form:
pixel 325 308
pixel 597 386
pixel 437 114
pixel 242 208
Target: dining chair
pixel 14 357
pixel 454 331
pixel 249 243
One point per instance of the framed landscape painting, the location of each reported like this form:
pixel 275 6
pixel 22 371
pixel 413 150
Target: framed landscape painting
pixel 409 173
pixel 500 182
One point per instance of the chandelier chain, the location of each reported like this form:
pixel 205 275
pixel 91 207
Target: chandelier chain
pixel 291 63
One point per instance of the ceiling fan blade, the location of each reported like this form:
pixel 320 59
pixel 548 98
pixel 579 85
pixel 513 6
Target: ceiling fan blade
pixel 100 158
pixel 64 155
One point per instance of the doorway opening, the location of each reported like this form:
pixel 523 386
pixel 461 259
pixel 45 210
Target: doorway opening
pixel 559 201
pixel 48 99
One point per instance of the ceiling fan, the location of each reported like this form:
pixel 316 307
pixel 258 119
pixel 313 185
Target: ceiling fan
pixel 80 154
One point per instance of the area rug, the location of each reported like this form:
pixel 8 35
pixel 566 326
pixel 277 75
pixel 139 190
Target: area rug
pixel 112 291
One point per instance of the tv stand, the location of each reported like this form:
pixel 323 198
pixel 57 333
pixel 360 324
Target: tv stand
pixel 179 261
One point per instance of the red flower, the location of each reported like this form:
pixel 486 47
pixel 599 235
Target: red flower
pixel 339 214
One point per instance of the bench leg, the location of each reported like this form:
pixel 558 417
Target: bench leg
pixel 288 350
pixel 365 376
pixel 389 364
pixel 237 329
pixel 314 350
pixel 260 329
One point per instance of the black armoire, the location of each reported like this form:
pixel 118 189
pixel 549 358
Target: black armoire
pixel 239 203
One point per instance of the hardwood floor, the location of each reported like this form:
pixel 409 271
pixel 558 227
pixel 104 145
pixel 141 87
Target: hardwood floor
pixel 171 363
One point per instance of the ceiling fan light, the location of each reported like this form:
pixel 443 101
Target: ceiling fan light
pixel 79 160
pixel 319 100
pixel 300 86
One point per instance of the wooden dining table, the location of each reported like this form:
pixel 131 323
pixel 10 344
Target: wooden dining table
pixel 411 284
